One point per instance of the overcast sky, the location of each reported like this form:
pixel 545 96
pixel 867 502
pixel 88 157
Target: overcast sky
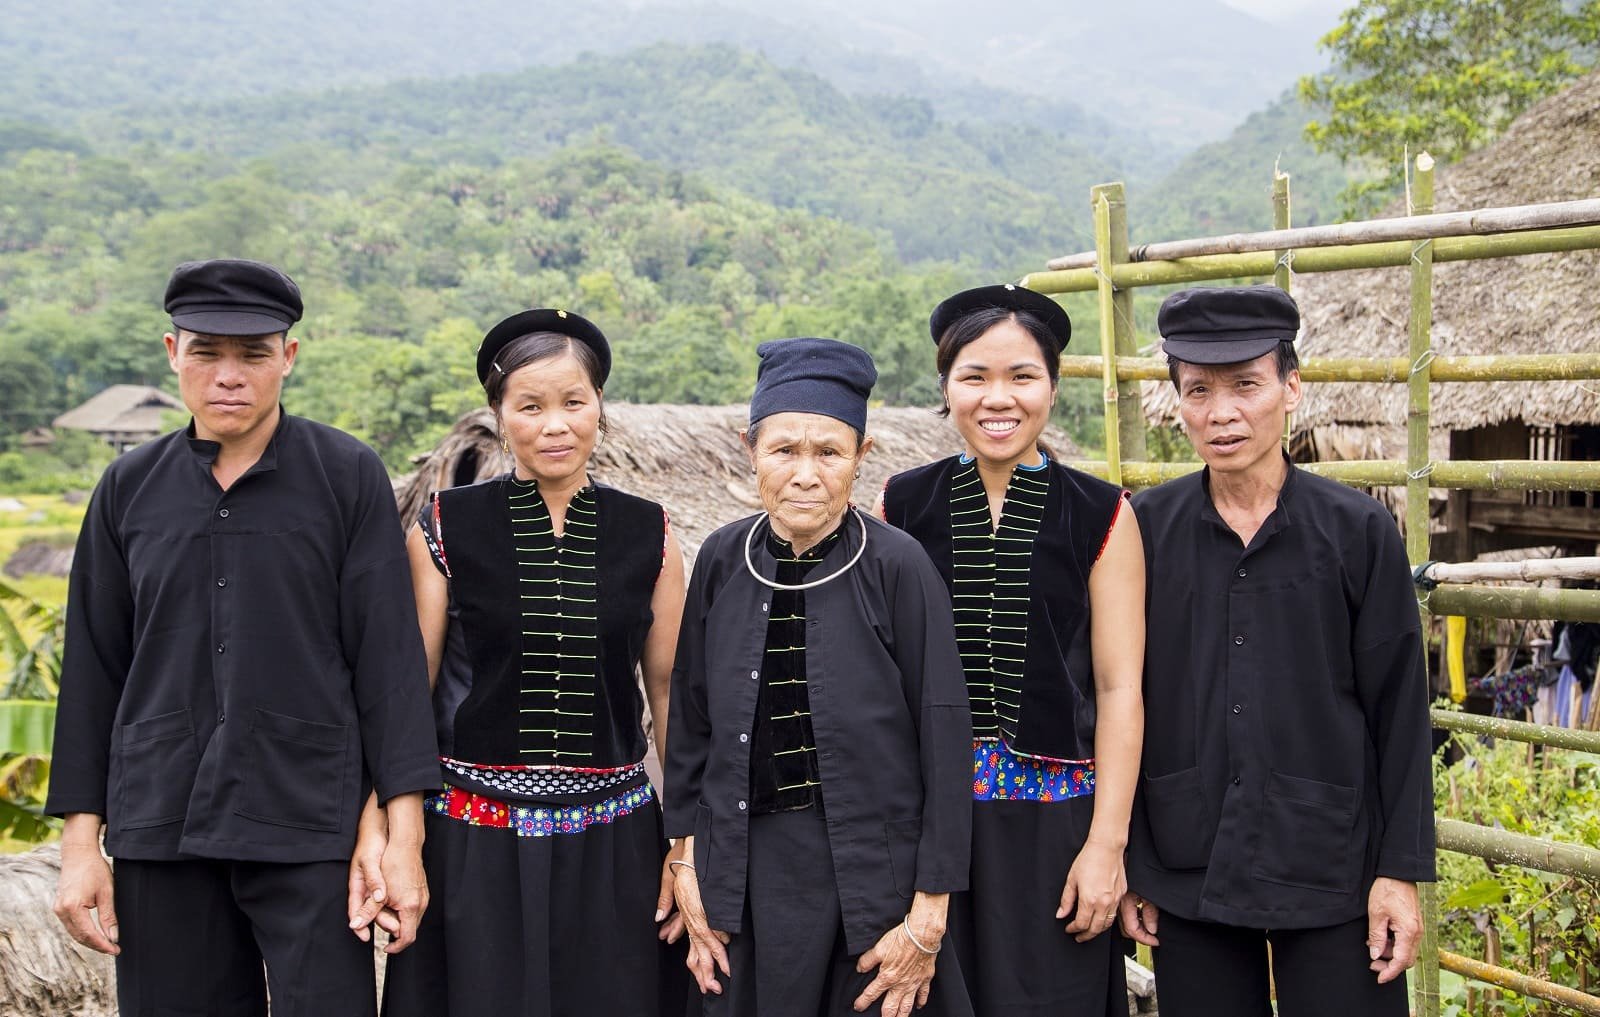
pixel 1277 10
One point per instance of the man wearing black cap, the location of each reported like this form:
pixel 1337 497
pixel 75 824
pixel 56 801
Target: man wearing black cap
pixel 242 666
pixel 1286 794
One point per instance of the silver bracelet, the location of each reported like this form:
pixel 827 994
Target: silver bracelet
pixel 681 861
pixel 905 926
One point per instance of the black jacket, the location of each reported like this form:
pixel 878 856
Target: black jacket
pixel 1286 749
pixel 888 708
pixel 243 666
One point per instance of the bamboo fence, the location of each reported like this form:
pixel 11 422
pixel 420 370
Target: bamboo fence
pixel 1418 241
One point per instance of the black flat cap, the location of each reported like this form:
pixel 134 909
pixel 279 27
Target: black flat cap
pixel 822 376
pixel 544 319
pixel 1008 297
pixel 1226 324
pixel 232 297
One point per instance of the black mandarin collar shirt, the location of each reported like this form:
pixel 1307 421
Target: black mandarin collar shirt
pixel 1286 752
pixel 241 665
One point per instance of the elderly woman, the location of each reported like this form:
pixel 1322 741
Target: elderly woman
pixel 540 593
pixel 820 730
pixel 1046 571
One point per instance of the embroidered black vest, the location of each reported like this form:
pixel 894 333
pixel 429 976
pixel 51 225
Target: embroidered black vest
pixel 1054 708
pixel 553 672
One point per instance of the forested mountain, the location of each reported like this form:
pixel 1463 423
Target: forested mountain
pixel 1004 196
pixel 1185 70
pixel 402 278
pixel 1226 186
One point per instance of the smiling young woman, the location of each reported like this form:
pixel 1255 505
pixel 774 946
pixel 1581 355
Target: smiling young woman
pixel 1046 572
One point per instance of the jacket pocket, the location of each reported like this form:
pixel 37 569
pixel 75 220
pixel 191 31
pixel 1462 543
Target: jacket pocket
pixel 1306 834
pixel 155 772
pixel 1176 806
pixel 903 836
pixel 296 776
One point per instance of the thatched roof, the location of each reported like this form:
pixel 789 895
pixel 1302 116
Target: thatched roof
pixel 121 409
pixel 688 458
pixel 1546 303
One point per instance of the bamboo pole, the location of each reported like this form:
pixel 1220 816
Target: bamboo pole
pixel 1101 201
pixel 1514 602
pixel 1281 274
pixel 1517 731
pixel 1324 259
pixel 1483 221
pixel 1531 570
pixel 1485 475
pixel 1527 985
pixel 1420 331
pixel 1510 367
pixel 1505 847
pixel 1130 403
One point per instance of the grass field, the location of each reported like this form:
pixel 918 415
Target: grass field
pixel 43 517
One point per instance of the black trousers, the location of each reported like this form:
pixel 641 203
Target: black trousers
pixel 196 935
pixel 790 960
pixel 1209 970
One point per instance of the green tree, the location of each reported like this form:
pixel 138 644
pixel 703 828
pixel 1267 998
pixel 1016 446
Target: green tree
pixel 1445 75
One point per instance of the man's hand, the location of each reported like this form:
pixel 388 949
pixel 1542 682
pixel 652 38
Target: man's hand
pixel 364 904
pixel 1140 919
pixel 1394 927
pixel 404 882
pixel 84 901
pixel 905 971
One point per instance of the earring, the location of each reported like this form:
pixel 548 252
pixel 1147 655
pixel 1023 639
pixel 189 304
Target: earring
pixel 505 445
pixel 858 474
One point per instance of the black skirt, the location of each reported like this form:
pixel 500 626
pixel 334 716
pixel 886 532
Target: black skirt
pixel 540 926
pixel 1015 954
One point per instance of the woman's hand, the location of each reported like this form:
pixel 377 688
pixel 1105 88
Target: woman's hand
pixel 708 948
pixel 1141 919
pixel 905 972
pixel 667 914
pixel 1093 890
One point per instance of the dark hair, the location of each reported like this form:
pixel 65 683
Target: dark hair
pixel 754 431
pixel 969 328
pixel 1284 357
pixel 531 349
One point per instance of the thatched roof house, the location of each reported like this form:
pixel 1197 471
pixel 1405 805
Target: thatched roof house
pixel 688 458
pixel 121 415
pixel 1547 303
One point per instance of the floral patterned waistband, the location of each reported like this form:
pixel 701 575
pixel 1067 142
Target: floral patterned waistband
pixel 537 820
pixel 541 781
pixel 1001 774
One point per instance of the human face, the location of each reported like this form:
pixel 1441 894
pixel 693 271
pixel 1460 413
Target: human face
pixel 231 384
pixel 805 465
pixel 550 413
pixel 1000 394
pixel 1234 414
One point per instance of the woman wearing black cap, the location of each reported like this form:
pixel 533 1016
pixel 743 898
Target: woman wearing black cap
pixel 1046 571
pixel 816 766
pixel 539 593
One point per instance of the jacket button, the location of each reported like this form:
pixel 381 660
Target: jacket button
pixel 223 513
pixel 221 583
pixel 741 806
pixel 754 675
pixel 1237 708
pixel 1238 640
pixel 1242 573
pixel 222 718
pixel 1237 782
pixel 222 648
pixel 744 738
pixel 763 609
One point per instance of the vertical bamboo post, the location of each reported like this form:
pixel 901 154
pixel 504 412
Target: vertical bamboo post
pixel 1417 469
pixel 1130 416
pixel 1280 221
pixel 1100 199
pixel 1280 274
